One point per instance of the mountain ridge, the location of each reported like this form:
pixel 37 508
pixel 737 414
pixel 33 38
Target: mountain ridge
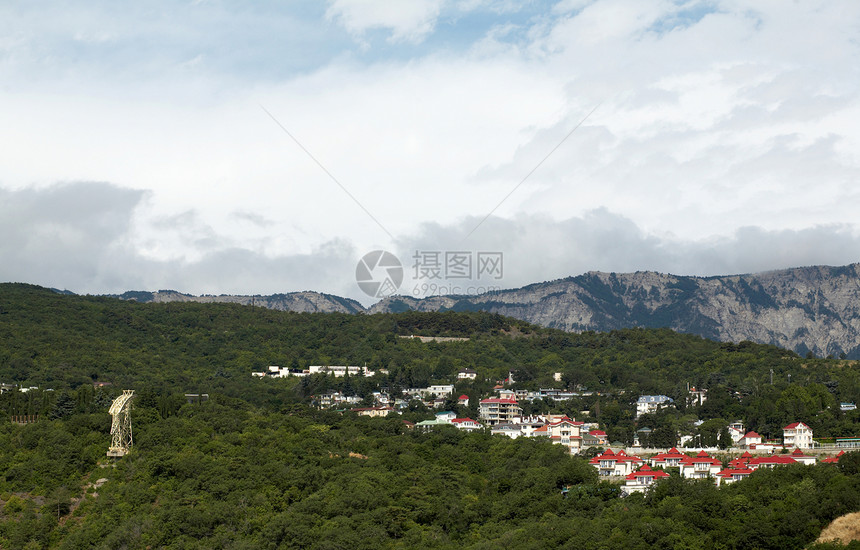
pixel 805 309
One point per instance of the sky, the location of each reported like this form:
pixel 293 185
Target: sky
pixel 257 148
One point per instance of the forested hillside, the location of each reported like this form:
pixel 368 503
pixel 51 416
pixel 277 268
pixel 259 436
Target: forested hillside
pixel 256 467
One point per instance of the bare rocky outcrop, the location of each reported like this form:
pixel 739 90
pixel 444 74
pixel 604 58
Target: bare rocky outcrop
pixel 804 309
pixel 302 302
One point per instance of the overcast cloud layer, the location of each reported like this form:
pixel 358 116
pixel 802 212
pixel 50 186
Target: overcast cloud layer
pixel 139 151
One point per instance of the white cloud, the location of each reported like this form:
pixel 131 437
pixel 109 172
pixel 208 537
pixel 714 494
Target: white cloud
pixel 408 21
pixel 712 118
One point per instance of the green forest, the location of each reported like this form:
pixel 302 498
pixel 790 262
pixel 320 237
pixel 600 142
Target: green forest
pixel 257 466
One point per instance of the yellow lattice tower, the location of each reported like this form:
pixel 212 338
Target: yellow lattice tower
pixel 120 429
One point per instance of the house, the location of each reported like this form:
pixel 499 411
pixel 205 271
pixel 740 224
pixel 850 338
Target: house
pixel 648 404
pixel 845 407
pixel 670 459
pixel 833 459
pixel 466 424
pixel 615 464
pixel 750 440
pixel 589 440
pixel 696 397
pixel 427 425
pixel 602 439
pixel 467 374
pixel 507 429
pixel 447 416
pixel 506 394
pixel 641 479
pixel 374 412
pixel 797 435
pixel 438 390
pixel 730 475
pixel 340 370
pixel 463 400
pixel 498 410
pixel 736 431
pixel 741 461
pixel 771 461
pixel 798 456
pixel 566 432
pixel 700 466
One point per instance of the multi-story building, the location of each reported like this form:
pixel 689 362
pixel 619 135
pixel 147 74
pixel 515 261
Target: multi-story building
pixel 615 464
pixel 566 432
pixel 641 479
pixel 700 466
pixel 648 404
pixel 797 435
pixel 498 410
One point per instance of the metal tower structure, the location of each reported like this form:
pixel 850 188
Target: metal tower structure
pixel 120 429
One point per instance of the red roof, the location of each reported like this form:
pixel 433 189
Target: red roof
pixel 620 456
pixel 729 472
pixel 463 397
pixel 646 471
pixel 833 459
pixel 750 435
pixel 671 453
pixel 798 452
pixel 700 458
pixel 459 420
pixel 795 426
pixel 775 460
pixel 597 433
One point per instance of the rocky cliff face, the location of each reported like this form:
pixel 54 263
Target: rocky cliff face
pixel 804 309
pixel 310 302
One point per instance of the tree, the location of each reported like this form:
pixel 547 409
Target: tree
pixel 725 440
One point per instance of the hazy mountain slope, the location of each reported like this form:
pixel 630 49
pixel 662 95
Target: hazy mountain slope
pixel 808 308
pixel 310 302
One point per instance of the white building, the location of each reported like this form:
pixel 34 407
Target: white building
pixel 615 464
pixel 564 432
pixel 700 466
pixel 641 479
pixel 466 424
pixel 648 404
pixel 467 374
pixel 750 440
pixel 340 370
pixel 797 435
pixel 439 390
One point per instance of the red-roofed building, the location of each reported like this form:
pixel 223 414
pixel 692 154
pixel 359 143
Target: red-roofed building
pixel 498 410
pixel 641 479
pixel 700 466
pixel 600 435
pixel 730 475
pixel 750 440
pixel 798 456
pixel 770 461
pixel 833 459
pixel 797 435
pixel 463 400
pixel 565 432
pixel 741 461
pixel 615 464
pixel 670 459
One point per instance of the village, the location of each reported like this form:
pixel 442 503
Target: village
pixel 639 466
